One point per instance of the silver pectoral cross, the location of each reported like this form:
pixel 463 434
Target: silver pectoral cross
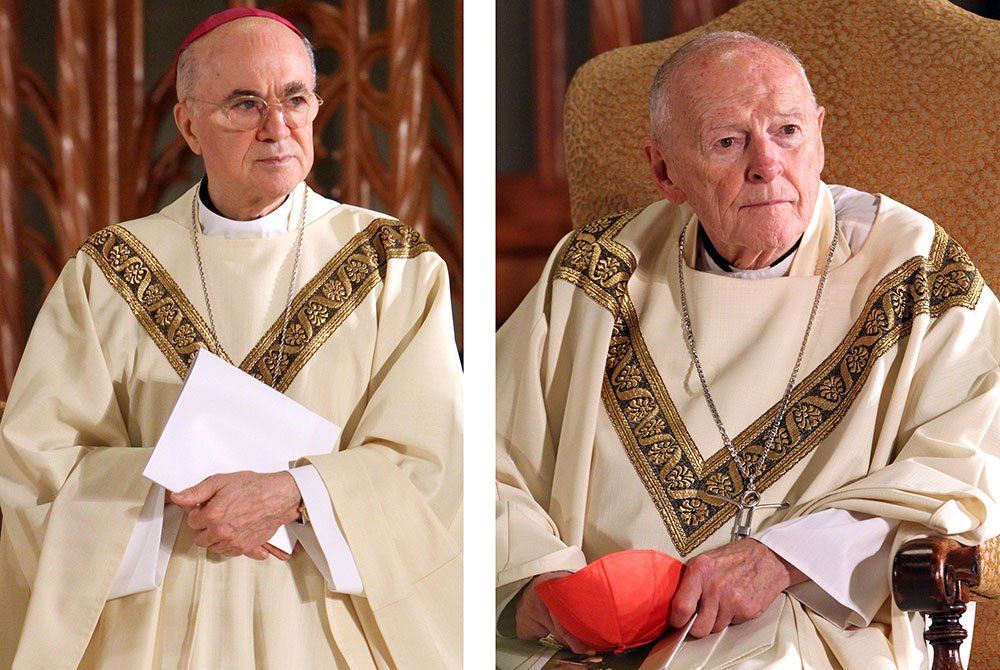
pixel 745 507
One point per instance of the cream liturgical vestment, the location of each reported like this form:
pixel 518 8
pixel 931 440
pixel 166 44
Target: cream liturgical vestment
pixel 606 442
pixel 370 347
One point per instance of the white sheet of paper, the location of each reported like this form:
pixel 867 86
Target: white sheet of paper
pixel 664 651
pixel 227 421
pixel 735 642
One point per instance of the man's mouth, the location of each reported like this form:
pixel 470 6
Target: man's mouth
pixel 280 159
pixel 768 203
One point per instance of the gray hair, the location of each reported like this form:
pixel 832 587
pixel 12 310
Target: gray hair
pixel 186 78
pixel 659 107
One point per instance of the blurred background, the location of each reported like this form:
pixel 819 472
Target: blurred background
pixel 87 136
pixel 540 43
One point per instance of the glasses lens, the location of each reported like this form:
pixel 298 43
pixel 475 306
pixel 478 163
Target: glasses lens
pixel 246 113
pixel 249 112
pixel 299 110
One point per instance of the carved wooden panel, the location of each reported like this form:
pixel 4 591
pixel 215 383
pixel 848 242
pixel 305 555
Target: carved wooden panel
pixel 103 160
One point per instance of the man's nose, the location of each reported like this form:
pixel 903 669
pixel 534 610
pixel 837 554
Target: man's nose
pixel 764 165
pixel 273 126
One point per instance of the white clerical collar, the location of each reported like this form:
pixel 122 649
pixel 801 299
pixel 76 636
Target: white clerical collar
pixel 706 263
pixel 269 225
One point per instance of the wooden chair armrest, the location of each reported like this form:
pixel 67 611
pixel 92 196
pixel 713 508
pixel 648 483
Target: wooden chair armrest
pixel 933 576
pixel 933 573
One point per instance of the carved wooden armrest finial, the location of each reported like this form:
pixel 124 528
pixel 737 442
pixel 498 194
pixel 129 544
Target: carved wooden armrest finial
pixel 933 575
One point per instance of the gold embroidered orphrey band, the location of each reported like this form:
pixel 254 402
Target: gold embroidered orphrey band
pixel 648 425
pixel 317 310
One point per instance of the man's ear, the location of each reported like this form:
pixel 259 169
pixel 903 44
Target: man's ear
pixel 182 117
pixel 820 113
pixel 659 167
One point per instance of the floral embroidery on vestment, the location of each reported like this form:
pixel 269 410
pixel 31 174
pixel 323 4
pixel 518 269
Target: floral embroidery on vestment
pixel 318 309
pixel 676 476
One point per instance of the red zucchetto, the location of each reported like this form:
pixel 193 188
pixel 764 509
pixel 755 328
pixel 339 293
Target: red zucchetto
pixel 216 20
pixel 619 601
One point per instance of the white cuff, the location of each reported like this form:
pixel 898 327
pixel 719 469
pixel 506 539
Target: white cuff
pixel 148 551
pixel 322 537
pixel 844 554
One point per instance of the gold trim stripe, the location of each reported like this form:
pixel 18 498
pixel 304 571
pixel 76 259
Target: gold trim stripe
pixel 653 434
pixel 596 263
pixel 318 309
pixel 330 297
pixel 152 294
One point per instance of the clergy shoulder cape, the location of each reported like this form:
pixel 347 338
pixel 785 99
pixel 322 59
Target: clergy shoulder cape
pixel 370 347
pixel 605 441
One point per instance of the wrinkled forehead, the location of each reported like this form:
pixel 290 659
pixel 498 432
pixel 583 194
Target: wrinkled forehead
pixel 739 75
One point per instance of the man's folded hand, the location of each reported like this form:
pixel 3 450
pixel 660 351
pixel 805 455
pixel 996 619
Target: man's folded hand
pixel 235 514
pixel 732 584
pixel 534 621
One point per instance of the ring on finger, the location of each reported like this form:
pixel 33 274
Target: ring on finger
pixel 551 641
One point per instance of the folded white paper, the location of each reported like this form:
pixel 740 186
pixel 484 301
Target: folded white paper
pixel 666 648
pixel 227 421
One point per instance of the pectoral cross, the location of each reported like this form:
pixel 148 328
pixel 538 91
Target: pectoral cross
pixel 745 508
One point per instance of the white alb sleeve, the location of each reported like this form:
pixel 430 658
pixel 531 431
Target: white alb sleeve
pixel 844 554
pixel 322 537
pixel 148 551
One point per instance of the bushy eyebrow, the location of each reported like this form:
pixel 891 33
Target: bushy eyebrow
pixel 289 89
pixel 241 93
pixel 293 88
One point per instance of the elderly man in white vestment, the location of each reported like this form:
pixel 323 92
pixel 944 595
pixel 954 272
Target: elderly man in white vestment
pixel 344 310
pixel 842 345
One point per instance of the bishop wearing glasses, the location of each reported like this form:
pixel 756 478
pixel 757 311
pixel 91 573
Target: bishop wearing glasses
pixel 344 310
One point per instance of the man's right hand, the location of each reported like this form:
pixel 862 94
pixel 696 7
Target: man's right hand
pixel 730 584
pixel 534 621
pixel 234 514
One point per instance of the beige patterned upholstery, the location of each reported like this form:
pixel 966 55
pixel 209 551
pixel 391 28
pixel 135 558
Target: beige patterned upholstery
pixel 989 571
pixel 912 96
pixel 986 635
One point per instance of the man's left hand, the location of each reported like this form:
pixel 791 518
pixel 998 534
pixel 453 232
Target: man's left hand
pixel 731 584
pixel 236 513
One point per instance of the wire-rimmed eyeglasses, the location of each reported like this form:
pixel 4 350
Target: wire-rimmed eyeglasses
pixel 248 112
